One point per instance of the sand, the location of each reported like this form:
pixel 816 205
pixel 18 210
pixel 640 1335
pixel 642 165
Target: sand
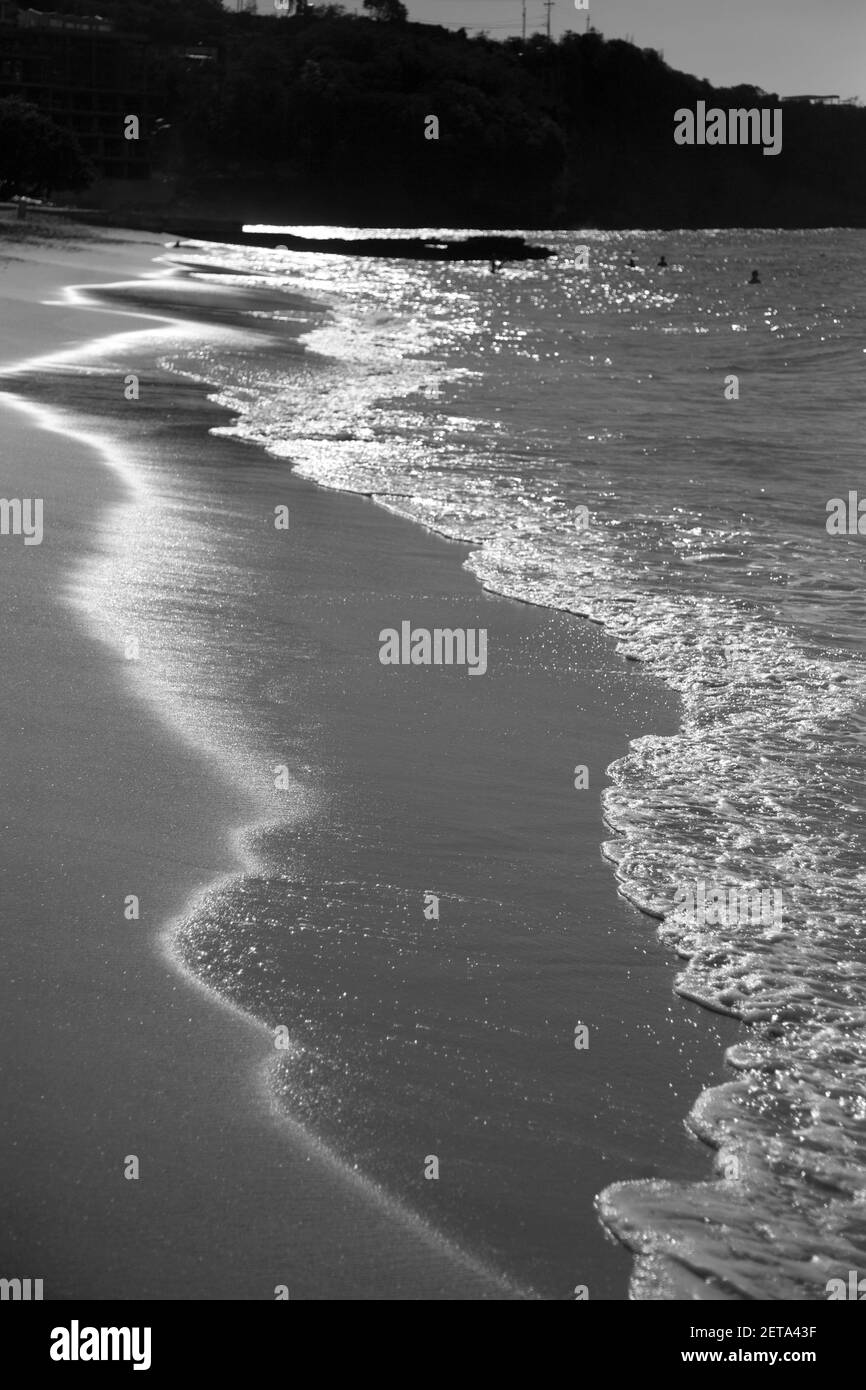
pixel 116 1053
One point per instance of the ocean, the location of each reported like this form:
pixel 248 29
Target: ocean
pixel 655 449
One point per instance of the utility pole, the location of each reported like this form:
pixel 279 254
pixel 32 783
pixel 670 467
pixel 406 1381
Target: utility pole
pixel 524 21
pixel 548 5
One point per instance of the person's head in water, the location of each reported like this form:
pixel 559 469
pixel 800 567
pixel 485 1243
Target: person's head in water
pixel 756 279
pixel 631 262
pixel 663 263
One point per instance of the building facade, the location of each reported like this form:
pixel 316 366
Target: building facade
pixel 86 77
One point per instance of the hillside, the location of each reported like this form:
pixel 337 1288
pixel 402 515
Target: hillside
pixel 321 118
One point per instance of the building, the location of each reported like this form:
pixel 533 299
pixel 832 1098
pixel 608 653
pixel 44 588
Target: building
pixel 83 75
pixel 815 101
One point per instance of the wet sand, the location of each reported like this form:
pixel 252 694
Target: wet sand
pixel 115 1052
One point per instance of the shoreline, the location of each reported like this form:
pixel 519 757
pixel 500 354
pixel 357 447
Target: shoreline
pixel 387 525
pixel 115 1249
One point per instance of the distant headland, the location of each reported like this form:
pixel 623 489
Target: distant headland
pixel 309 115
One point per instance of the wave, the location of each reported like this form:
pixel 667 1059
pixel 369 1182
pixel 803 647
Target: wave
pixel 743 611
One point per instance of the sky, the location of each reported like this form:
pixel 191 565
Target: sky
pixel 786 46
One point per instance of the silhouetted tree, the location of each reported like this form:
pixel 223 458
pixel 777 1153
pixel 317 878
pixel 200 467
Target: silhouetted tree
pixel 37 156
pixel 391 10
pixel 319 116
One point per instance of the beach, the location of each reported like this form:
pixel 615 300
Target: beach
pixel 155 777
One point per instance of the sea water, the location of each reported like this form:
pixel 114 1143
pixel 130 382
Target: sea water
pixel 657 449
pixel 705 425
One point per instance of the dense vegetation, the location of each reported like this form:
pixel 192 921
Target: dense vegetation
pixel 37 156
pixel 313 115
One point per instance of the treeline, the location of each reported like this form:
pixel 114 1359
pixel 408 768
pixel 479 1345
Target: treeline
pixel 320 116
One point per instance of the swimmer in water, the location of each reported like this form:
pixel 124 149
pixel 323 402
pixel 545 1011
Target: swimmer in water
pixel 756 279
pixel 663 265
pixel 631 263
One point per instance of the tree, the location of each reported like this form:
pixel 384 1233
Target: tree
pixel 37 156
pixel 391 10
